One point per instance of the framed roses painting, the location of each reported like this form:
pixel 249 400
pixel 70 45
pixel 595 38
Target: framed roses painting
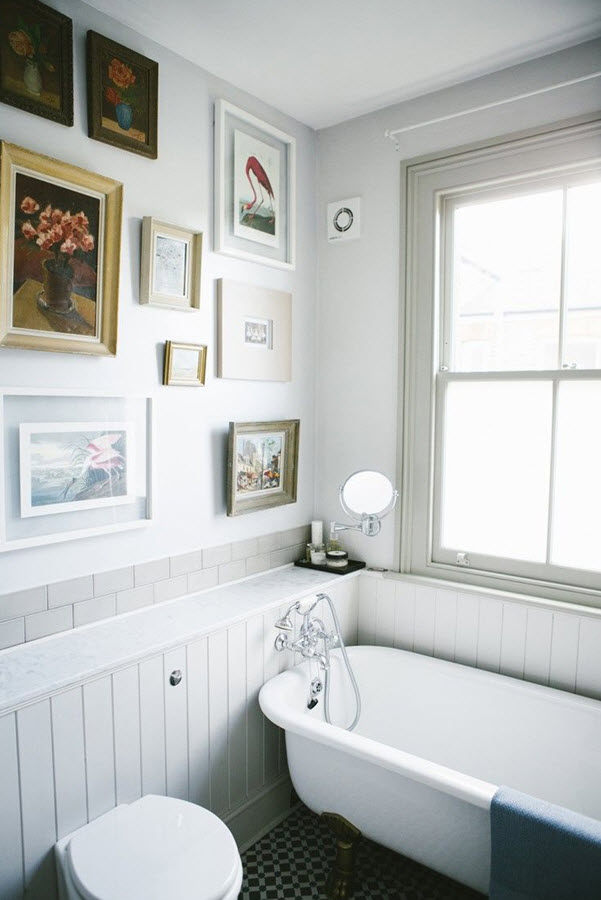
pixel 36 59
pixel 60 235
pixel 122 96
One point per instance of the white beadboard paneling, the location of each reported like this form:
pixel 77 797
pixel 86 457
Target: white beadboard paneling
pixel 588 675
pixel 98 729
pixel 218 719
pixel 69 761
pixel 126 713
pixel 254 716
pixel 445 625
pixel 38 810
pixel 176 724
pixel 11 848
pixel 385 612
pixel 513 639
pixel 236 655
pixel 490 627
pixel 367 609
pixel 152 726
pixel 198 722
pixel 425 617
pixel 405 616
pixel 271 667
pixel 564 651
pixel 466 633
pixel 537 660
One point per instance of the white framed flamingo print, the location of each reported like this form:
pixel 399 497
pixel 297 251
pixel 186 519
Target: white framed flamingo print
pixel 255 188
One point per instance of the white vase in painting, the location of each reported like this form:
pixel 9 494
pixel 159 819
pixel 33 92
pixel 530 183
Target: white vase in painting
pixel 32 77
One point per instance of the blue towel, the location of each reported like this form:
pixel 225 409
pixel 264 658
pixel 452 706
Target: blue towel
pixel 541 851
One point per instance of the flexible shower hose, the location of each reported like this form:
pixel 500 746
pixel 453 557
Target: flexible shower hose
pixel 347 663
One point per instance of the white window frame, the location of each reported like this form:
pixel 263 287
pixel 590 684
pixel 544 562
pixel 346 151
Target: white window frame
pixel 430 184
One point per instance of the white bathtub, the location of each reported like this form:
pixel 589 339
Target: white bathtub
pixel 434 741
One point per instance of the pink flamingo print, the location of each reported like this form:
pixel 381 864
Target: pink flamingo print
pixel 254 166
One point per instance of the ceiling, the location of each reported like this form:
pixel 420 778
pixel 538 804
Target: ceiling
pixel 324 61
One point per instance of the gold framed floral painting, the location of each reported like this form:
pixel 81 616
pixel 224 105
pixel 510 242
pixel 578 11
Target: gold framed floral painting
pixel 36 59
pixel 122 96
pixel 60 237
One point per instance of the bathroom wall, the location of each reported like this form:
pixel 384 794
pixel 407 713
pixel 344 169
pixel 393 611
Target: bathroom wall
pixel 191 423
pixel 359 351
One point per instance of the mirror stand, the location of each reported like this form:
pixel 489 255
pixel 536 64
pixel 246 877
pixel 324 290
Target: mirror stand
pixel 357 492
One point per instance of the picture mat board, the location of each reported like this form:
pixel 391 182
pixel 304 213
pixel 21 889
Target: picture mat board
pixel 241 303
pixel 187 296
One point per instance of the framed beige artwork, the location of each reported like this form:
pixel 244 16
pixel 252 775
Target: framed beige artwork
pixel 185 364
pixel 170 268
pixel 262 465
pixel 60 238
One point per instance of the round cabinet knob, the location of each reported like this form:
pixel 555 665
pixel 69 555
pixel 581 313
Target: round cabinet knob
pixel 175 677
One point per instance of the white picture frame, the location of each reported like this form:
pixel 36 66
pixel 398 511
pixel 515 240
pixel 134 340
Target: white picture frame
pixel 255 332
pixel 170 269
pixel 65 409
pixel 255 173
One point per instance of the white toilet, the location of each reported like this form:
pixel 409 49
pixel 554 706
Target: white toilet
pixel 157 848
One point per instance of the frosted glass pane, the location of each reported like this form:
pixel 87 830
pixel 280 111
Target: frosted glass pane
pixel 583 277
pixel 506 283
pixel 496 464
pixel 576 539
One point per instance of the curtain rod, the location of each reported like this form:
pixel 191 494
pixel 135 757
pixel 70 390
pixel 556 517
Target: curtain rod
pixel 392 134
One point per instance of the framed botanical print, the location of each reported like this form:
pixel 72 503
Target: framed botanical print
pixel 255 332
pixel 185 364
pixel 36 59
pixel 170 269
pixel 122 96
pixel 262 466
pixel 60 237
pixel 255 188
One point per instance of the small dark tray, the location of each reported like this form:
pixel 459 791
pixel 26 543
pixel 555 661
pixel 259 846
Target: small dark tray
pixel 353 565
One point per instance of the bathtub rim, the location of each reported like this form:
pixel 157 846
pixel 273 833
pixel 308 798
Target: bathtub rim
pixel 464 787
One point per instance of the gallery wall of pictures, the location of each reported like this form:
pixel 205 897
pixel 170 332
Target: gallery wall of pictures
pixel 107 188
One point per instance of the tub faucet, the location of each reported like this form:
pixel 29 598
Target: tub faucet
pixel 311 632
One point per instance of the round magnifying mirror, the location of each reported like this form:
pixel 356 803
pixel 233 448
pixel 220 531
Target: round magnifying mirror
pixel 367 492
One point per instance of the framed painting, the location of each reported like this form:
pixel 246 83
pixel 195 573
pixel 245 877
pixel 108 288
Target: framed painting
pixel 123 89
pixel 36 59
pixel 255 188
pixel 262 468
pixel 60 238
pixel 75 466
pixel 185 364
pixel 255 332
pixel 170 268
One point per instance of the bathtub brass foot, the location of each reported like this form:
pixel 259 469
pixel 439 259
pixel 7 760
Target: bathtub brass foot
pixel 339 883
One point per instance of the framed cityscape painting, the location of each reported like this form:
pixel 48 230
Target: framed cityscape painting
pixel 123 89
pixel 255 188
pixel 36 59
pixel 60 234
pixel 262 465
pixel 75 466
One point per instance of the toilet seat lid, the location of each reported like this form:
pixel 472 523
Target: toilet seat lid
pixel 156 848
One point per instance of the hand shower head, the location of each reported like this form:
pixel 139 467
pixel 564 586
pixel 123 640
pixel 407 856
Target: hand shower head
pixel 285 623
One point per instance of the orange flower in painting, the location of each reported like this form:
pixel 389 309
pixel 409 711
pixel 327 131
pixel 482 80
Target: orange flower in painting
pixel 120 74
pixel 21 43
pixel 29 206
pixel 112 96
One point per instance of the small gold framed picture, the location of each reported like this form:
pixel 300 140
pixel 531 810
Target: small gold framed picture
pixel 185 364
pixel 170 270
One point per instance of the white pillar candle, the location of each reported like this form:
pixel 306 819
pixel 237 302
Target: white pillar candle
pixel 316 532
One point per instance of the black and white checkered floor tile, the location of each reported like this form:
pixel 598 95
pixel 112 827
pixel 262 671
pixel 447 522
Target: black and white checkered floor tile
pixel 293 861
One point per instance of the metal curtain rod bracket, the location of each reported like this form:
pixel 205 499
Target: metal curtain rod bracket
pixel 392 134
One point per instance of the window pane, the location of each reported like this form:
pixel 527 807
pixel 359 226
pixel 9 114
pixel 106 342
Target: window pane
pixel 506 283
pixel 576 537
pixel 496 465
pixel 583 277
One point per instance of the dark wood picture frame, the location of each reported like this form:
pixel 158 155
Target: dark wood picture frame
pixel 122 99
pixel 27 45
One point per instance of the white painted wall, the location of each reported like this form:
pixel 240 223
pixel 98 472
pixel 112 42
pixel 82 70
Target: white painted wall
pixel 358 325
pixel 192 423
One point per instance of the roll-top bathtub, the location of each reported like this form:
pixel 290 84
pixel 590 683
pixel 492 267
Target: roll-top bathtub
pixel 434 741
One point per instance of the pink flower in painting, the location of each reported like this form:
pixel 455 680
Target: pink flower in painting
pixel 56 216
pixel 29 206
pixel 81 220
pixel 69 246
pixel 86 242
pixel 45 242
pixel 29 231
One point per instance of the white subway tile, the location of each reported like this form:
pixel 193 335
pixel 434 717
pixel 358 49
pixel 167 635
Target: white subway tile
pixel 135 598
pixel 50 622
pixel 65 592
pixel 588 676
pixel 243 549
pixel 564 651
pixel 513 639
pixel 466 635
pixel 12 632
pixel 287 555
pixel 186 562
pixel 490 627
pixel 216 556
pixel 538 645
pixel 93 610
pixel 148 573
pixel 113 581
pixel 268 542
pixel 385 612
pixel 22 603
pixel 232 571
pixel 170 588
pixel 201 581
pixel 255 564
pixel 425 616
pixel 445 627
pixel 299 535
pixel 405 615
